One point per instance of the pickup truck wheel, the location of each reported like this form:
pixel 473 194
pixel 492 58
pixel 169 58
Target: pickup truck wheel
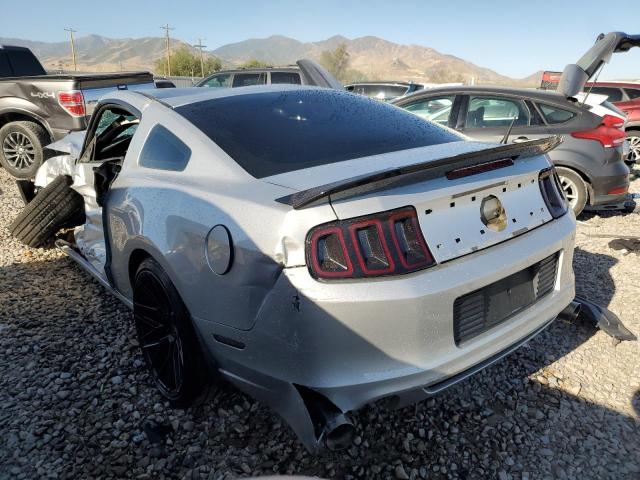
pixel 575 189
pixel 21 148
pixel 167 336
pixel 55 206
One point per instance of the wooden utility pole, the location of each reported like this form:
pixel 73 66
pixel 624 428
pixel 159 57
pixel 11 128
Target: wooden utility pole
pixel 200 46
pixel 73 47
pixel 166 29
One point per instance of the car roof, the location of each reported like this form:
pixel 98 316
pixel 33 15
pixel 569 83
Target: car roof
pixel 548 95
pixel 381 82
pixel 12 47
pixel 614 84
pixel 177 97
pixel 288 68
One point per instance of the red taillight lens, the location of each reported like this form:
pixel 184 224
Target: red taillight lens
pixel 619 190
pixel 609 133
pixel 386 243
pixel 72 102
pixel 552 192
pixel 329 254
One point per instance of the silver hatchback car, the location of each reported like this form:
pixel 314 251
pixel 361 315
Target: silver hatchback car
pixel 318 249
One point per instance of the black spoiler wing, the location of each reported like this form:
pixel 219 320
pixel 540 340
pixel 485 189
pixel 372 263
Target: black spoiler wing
pixel 407 174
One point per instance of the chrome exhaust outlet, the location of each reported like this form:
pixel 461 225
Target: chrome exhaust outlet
pixel 571 311
pixel 338 432
pixel 333 429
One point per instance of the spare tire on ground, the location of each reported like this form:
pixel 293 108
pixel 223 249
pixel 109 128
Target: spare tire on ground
pixel 54 207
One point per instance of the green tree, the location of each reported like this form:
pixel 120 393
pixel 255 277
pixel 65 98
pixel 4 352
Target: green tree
pixel 185 63
pixel 254 63
pixel 336 61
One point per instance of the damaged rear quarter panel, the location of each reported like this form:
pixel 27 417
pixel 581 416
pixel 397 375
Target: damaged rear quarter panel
pixel 168 214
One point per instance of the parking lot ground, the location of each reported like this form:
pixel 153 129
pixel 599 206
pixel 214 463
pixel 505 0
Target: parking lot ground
pixel 76 402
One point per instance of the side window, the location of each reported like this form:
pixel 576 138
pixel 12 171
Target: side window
pixel 164 151
pixel 436 109
pixel 222 80
pixel 633 93
pixel 555 115
pixel 113 132
pixel 613 94
pixel 248 79
pixel 487 112
pixel 285 77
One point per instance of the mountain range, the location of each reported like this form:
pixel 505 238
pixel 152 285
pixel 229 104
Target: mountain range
pixel 374 58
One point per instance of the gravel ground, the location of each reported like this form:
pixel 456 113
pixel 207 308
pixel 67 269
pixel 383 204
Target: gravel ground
pixel 76 402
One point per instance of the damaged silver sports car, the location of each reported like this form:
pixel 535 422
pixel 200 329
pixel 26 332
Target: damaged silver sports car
pixel 318 249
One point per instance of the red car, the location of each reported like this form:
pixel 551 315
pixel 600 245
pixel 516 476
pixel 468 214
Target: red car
pixel 624 95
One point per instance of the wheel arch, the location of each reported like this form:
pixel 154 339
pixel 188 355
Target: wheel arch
pixel 139 251
pixel 581 174
pixel 9 116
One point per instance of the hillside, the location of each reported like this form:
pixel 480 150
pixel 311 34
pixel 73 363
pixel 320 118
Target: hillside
pixel 375 58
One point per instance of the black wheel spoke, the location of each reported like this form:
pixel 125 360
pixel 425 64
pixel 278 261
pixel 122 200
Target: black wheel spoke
pixel 177 367
pixel 158 334
pixel 157 343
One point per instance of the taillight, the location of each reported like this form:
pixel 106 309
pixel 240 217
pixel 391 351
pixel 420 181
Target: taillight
pixel 552 192
pixel 610 133
pixel 73 102
pixel 386 243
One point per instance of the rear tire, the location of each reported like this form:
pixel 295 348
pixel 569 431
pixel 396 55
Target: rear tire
pixel 575 189
pixel 55 206
pixel 22 148
pixel 167 336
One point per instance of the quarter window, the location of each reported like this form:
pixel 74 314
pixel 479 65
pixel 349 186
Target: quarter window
pixel 248 79
pixel 633 93
pixel 285 77
pixel 164 151
pixel 436 109
pixel 486 112
pixel 555 115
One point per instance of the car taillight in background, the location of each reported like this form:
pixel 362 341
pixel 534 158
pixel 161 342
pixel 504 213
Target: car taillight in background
pixel 386 243
pixel 552 192
pixel 610 133
pixel 73 102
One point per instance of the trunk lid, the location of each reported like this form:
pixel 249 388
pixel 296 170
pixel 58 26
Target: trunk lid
pixel 450 210
pixel 575 75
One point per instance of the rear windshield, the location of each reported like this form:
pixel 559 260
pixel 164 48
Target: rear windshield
pixel 277 132
pixel 24 63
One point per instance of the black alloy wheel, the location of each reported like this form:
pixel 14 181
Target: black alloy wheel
pixel 166 336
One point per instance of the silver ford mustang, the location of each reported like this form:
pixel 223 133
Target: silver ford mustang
pixel 318 249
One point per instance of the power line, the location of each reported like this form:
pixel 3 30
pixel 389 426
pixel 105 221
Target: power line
pixel 200 46
pixel 73 47
pixel 166 29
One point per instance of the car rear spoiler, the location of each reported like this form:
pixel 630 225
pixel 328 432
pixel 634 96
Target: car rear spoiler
pixel 407 174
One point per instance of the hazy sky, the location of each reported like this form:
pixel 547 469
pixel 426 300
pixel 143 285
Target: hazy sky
pixel 515 38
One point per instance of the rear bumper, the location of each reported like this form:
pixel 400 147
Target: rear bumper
pixel 356 342
pixel 616 178
pixel 610 176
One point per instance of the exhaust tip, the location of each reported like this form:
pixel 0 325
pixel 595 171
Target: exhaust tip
pixel 571 311
pixel 340 434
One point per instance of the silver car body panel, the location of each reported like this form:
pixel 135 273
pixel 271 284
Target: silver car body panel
pixel 353 341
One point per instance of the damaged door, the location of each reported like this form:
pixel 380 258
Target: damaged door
pixel 105 147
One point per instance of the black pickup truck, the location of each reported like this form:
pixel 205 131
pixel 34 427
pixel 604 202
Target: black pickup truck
pixel 37 109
